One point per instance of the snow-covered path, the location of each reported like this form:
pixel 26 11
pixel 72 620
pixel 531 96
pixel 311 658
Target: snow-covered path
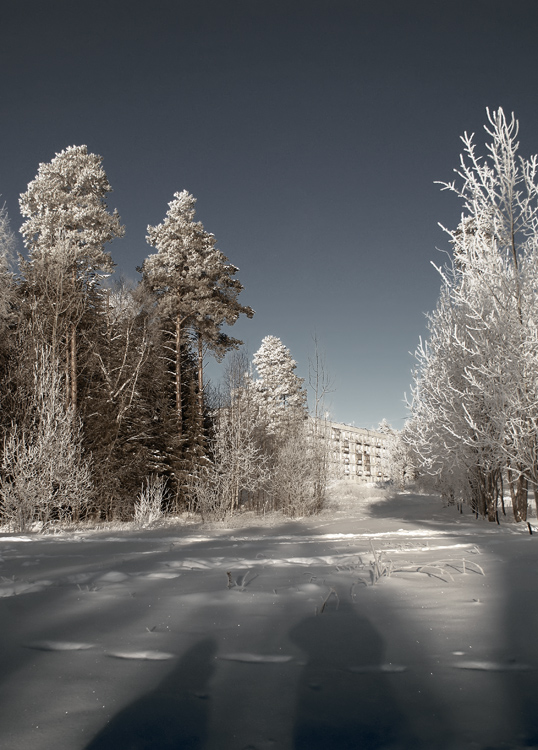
pixel 388 624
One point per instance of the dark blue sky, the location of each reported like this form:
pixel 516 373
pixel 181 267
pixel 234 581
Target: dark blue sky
pixel 310 132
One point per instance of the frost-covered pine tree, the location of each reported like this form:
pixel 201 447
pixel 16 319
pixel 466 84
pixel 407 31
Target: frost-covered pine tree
pixel 67 225
pixel 66 201
pixel 9 353
pixel 7 287
pixel 194 284
pixel 280 394
pixel 7 247
pixel 218 305
pixel 174 275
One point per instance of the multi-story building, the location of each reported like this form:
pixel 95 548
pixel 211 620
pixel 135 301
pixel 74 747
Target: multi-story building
pixel 357 453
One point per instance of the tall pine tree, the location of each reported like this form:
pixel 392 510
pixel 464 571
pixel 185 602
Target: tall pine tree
pixel 67 225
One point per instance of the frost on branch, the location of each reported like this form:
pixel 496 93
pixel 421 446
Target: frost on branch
pixel 474 421
pixel 196 294
pixel 279 392
pixel 7 249
pixel 66 202
pixel 67 224
pixel 44 476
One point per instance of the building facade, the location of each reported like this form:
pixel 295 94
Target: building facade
pixel 357 454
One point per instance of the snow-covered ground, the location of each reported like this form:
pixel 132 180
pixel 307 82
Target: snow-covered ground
pixel 386 622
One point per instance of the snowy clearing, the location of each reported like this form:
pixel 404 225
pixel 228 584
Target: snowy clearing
pixel 385 622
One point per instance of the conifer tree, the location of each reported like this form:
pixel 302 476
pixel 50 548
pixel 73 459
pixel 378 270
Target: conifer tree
pixel 9 318
pixel 67 225
pixel 174 273
pixel 281 396
pixel 196 292
pixel 7 246
pixel 219 305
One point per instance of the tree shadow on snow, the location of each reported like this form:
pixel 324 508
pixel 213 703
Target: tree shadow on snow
pixel 345 698
pixel 411 508
pixel 174 716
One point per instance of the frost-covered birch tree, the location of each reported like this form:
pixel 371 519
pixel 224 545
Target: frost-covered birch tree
pixel 474 416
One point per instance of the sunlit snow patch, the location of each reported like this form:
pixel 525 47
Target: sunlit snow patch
pixel 164 574
pixel 20 539
pixel 77 578
pixel 378 668
pixel 257 658
pixel 14 589
pixel 59 645
pixel 493 666
pixel 113 576
pixel 311 588
pixel 144 655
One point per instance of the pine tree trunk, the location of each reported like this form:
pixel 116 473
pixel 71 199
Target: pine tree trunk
pixel 201 379
pixel 73 345
pixel 67 374
pixel 179 405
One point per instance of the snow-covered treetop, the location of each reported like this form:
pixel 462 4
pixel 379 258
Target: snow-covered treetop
pixel 385 427
pixel 65 207
pixel 274 362
pixel 499 192
pixel 279 390
pixel 7 241
pixel 182 245
pixel 193 277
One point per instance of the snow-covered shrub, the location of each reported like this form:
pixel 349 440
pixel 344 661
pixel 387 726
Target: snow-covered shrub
pixel 43 474
pixel 398 461
pixel 148 507
pixel 300 472
pixel 237 465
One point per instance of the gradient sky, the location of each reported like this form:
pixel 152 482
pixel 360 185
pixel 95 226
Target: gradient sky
pixel 311 132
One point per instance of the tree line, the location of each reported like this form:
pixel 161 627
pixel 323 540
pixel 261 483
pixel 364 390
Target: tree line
pixel 104 409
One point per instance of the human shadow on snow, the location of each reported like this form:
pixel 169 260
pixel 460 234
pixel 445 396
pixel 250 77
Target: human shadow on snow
pixel 518 647
pixel 501 681
pixel 346 698
pixel 174 716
